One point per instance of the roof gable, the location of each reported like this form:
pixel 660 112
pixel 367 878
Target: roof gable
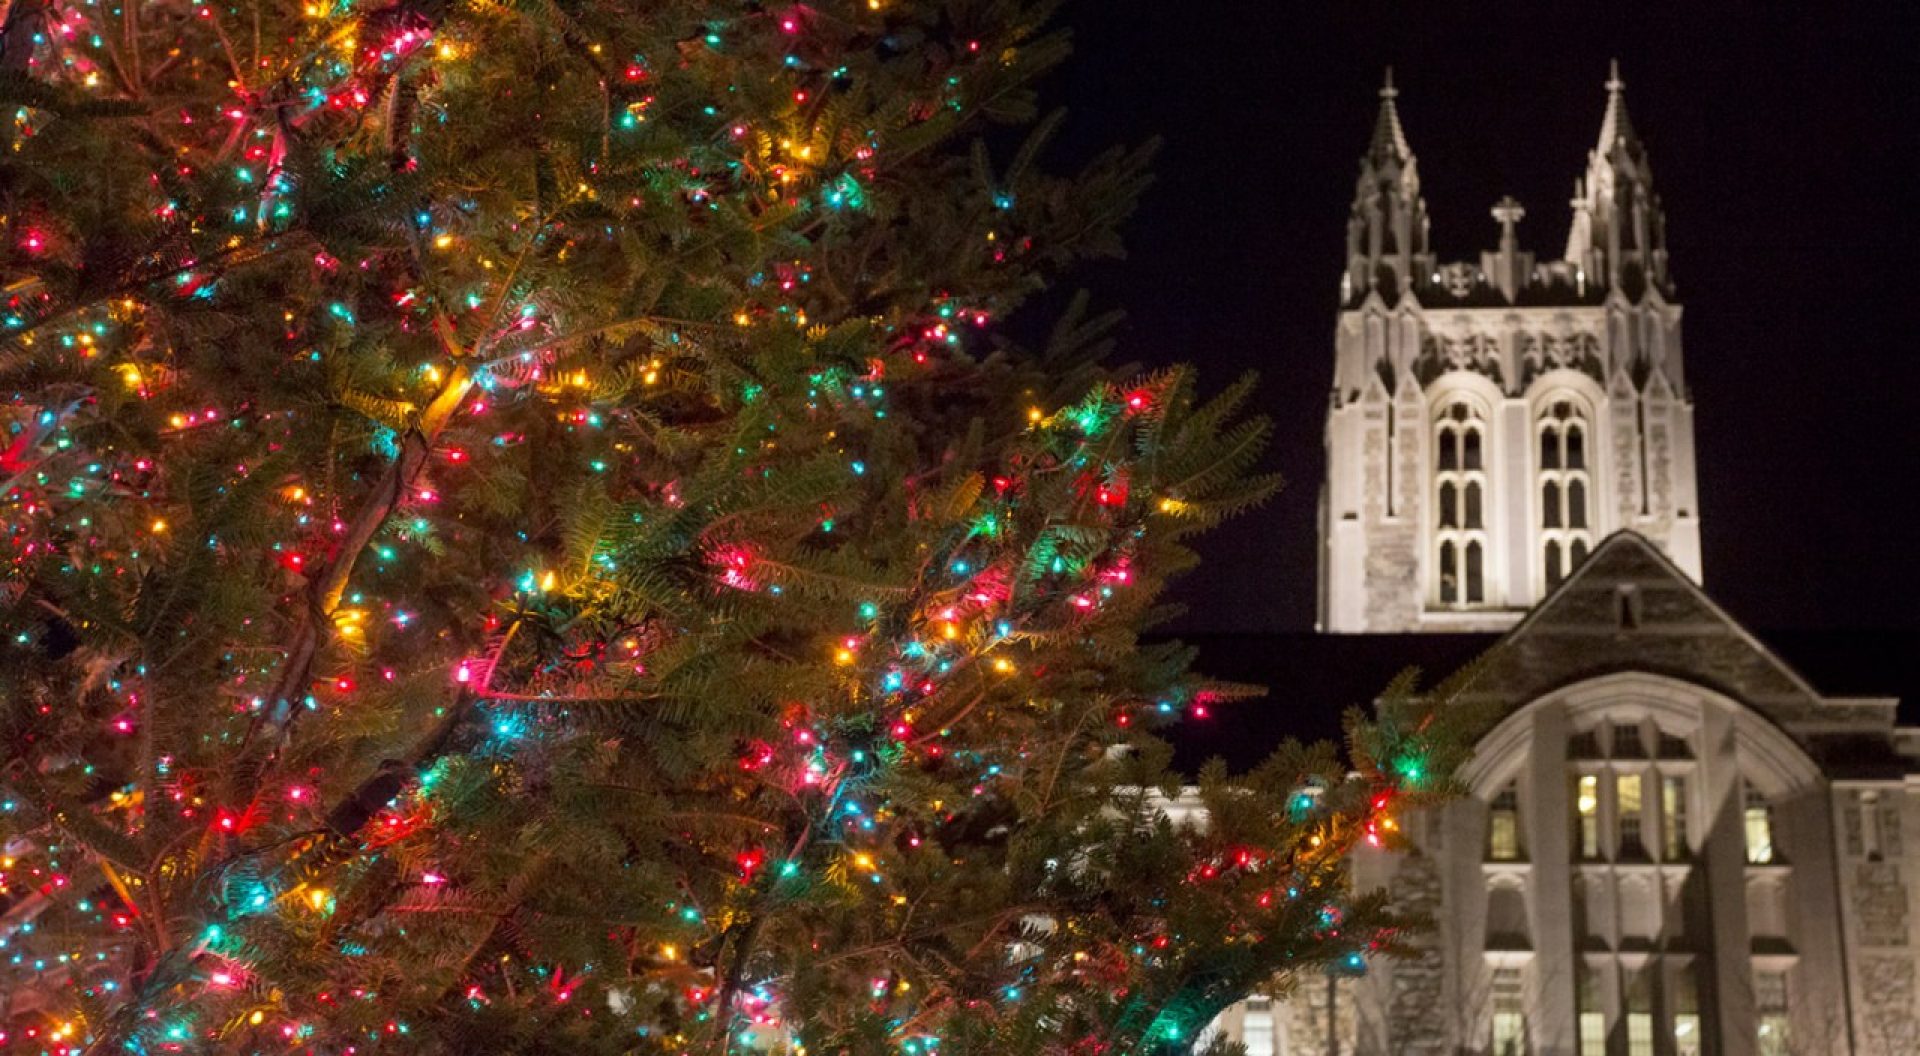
pixel 1628 608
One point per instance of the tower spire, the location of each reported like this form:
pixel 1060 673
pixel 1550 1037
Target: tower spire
pixel 1618 237
pixel 1615 128
pixel 1387 227
pixel 1389 141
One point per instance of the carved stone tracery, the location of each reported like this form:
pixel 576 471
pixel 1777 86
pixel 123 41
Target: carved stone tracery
pixel 1439 354
pixel 1543 352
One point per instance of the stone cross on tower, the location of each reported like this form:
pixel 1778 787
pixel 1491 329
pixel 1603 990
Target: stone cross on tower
pixel 1508 212
pixel 1509 266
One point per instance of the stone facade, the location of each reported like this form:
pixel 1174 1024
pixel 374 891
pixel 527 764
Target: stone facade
pixel 1529 352
pixel 1671 843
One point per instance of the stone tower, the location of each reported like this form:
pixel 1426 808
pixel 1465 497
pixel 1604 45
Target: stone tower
pixel 1491 420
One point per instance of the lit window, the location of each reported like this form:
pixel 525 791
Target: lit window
pixel 1627 801
pixel 1509 1013
pixel 1256 1027
pixel 1460 499
pixel 1593 1034
pixel 1503 826
pixel 1770 1013
pixel 1593 1022
pixel 1639 1034
pixel 1586 806
pixel 1759 828
pixel 1686 1034
pixel 1687 1040
pixel 1563 486
pixel 1673 818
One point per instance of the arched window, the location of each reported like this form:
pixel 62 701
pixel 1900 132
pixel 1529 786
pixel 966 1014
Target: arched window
pixel 1566 521
pixel 1459 545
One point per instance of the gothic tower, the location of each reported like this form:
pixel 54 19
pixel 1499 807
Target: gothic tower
pixel 1490 421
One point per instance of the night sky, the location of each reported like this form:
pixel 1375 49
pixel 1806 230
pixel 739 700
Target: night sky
pixel 1786 147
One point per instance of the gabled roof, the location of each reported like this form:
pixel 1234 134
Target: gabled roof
pixel 1572 635
pixel 1628 608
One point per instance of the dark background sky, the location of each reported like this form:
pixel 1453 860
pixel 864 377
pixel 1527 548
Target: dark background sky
pixel 1785 143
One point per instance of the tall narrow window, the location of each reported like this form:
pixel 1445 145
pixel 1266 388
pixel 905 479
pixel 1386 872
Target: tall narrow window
pixel 1639 1000
pixel 1628 807
pixel 1770 1013
pixel 1256 1027
pixel 1564 487
pixel 1639 1034
pixel 1758 817
pixel 1586 812
pixel 1460 498
pixel 1509 1013
pixel 1503 826
pixel 1593 1021
pixel 1673 818
pixel 1686 1014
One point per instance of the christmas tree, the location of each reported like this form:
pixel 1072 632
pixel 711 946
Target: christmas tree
pixel 523 535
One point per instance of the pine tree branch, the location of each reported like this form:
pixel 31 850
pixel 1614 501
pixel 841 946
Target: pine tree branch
pixel 26 20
